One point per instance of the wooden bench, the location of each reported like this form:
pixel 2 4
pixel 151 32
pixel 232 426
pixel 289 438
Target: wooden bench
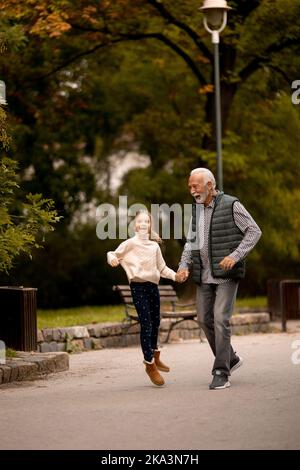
pixel 168 297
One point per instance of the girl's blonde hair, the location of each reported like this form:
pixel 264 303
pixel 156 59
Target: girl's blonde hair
pixel 152 235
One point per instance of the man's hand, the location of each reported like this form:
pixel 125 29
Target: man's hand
pixel 114 262
pixel 227 263
pixel 182 275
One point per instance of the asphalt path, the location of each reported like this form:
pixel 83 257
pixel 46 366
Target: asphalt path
pixel 106 401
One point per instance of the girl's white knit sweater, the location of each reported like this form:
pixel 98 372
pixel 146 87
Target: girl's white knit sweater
pixel 141 259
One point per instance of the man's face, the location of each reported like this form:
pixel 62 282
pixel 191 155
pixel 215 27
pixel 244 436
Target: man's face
pixel 198 189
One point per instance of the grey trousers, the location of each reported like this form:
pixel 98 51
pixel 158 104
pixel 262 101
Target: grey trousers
pixel 215 304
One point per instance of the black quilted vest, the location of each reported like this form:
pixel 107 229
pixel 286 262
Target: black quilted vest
pixel 224 238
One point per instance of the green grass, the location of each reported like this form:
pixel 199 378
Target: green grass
pixel 79 316
pixel 108 313
pixel 10 352
pixel 252 302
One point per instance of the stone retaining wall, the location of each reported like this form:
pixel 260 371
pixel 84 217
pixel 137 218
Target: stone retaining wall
pixel 111 335
pixel 31 365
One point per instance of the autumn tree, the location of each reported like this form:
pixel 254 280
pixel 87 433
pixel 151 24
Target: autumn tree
pixel 93 77
pixel 258 35
pixel 23 221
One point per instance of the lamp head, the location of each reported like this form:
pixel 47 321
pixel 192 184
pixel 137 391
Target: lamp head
pixel 214 12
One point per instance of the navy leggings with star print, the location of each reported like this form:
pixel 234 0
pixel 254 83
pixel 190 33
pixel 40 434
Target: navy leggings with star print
pixel 145 296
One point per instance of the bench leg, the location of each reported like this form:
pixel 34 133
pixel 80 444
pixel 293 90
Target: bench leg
pixel 170 331
pixel 177 323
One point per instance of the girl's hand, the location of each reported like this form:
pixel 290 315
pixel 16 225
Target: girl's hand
pixel 182 275
pixel 114 263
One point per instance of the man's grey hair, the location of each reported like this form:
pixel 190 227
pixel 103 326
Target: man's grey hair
pixel 208 176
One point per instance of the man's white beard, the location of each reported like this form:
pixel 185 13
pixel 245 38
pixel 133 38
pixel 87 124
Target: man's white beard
pixel 201 198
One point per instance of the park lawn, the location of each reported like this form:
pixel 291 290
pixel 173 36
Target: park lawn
pixel 108 313
pixel 252 302
pixel 79 316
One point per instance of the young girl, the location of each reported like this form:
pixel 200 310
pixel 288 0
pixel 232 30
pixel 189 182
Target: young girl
pixel 142 260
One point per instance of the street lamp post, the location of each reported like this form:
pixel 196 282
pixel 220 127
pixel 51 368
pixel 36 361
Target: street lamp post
pixel 215 19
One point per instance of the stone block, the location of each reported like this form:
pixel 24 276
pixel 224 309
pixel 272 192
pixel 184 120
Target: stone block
pixel 112 342
pixel 77 345
pixel 27 370
pixel 40 337
pixel 44 347
pixel 105 329
pixel 6 371
pixel 61 361
pixel 47 334
pixel 55 347
pixel 74 332
pixel 14 372
pixel 32 365
pixel 87 343
pixel 132 340
pixel 131 328
pixel 60 347
pixel 96 343
pixel 250 318
pixel 60 334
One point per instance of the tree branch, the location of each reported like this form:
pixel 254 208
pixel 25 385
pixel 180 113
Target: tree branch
pixel 264 58
pixel 130 37
pixel 282 73
pixel 184 27
pixel 73 59
pixel 243 8
pixel 160 37
pixel 89 29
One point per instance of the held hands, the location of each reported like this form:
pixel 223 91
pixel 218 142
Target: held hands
pixel 227 263
pixel 182 275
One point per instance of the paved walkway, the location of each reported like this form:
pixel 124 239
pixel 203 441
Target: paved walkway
pixel 105 401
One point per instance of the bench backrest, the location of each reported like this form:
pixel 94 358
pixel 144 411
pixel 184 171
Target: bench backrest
pixel 167 293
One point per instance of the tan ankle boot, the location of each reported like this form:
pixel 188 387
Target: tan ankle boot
pixel 160 365
pixel 153 373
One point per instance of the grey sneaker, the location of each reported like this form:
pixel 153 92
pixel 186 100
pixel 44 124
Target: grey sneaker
pixel 219 381
pixel 236 363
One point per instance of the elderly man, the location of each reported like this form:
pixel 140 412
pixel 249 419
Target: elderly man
pixel 221 235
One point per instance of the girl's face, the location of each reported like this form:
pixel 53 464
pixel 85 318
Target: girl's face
pixel 142 224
